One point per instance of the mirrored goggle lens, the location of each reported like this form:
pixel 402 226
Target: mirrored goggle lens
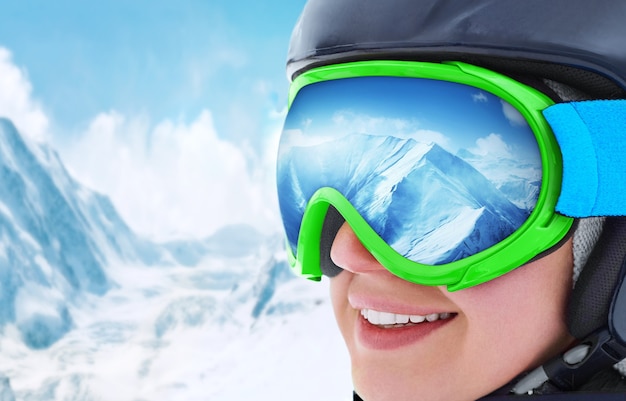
pixel 439 170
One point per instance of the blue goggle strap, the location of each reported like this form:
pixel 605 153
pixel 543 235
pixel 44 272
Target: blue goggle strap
pixel 592 138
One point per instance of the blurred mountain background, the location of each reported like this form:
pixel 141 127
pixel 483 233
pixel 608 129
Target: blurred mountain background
pixel 141 253
pixel 90 310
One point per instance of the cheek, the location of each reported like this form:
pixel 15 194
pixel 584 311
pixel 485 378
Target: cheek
pixel 527 304
pixel 539 288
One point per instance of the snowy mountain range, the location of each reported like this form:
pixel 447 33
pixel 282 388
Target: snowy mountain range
pixel 87 305
pixel 58 237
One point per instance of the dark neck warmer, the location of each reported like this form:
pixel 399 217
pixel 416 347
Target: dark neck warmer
pixel 606 385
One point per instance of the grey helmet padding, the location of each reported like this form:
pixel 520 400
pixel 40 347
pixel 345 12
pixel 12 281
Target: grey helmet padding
pixel 332 223
pixel 585 238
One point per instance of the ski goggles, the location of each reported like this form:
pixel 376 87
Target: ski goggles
pixel 447 173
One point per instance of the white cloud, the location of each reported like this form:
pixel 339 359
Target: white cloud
pixel 437 137
pixel 167 180
pixel 16 101
pixel 373 125
pixel 479 97
pixel 173 179
pixel 512 114
pixel 492 145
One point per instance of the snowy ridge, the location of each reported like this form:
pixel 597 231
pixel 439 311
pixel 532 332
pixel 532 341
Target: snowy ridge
pixel 61 235
pixel 58 237
pixel 452 196
pixel 519 179
pixel 46 236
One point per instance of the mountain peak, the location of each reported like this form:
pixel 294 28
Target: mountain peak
pixel 57 237
pixel 12 142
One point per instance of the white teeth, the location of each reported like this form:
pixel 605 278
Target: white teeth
pixel 417 318
pixel 383 317
pixel 432 317
pixel 402 319
pixel 391 319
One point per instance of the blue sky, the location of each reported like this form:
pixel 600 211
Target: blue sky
pixel 452 115
pixel 165 58
pixel 170 108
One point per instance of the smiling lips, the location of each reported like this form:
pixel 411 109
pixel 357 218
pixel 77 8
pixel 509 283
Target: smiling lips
pixel 386 330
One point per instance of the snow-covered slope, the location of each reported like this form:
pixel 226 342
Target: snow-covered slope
pixel 49 255
pixel 223 330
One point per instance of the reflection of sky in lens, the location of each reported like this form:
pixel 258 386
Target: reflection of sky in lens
pixel 402 106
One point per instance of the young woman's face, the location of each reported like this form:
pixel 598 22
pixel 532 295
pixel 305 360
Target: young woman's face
pixel 478 340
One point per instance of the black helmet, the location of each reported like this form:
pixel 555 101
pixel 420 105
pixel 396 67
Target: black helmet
pixel 579 43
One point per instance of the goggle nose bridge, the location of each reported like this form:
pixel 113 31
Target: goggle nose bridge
pixel 312 229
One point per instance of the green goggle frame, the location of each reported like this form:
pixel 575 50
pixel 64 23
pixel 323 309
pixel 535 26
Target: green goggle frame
pixel 543 229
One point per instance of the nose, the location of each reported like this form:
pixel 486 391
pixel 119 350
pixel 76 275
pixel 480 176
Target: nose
pixel 348 253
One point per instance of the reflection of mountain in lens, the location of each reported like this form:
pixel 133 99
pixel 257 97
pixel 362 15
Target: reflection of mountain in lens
pixel 444 210
pixel 428 204
pixel 518 179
